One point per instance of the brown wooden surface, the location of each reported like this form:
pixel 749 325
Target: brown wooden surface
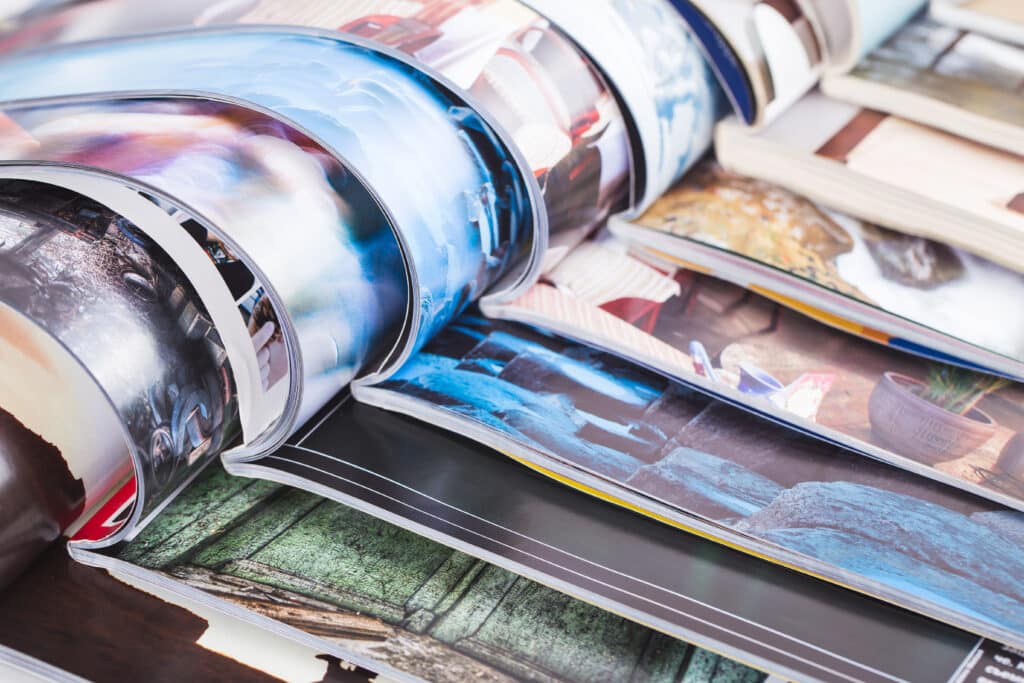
pixel 82 620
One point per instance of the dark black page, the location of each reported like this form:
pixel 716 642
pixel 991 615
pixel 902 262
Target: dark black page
pixel 466 495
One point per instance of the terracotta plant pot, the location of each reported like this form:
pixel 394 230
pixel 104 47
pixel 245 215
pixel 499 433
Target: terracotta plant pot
pixel 912 427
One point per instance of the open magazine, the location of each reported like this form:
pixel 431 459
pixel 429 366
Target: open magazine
pixel 769 53
pixel 214 232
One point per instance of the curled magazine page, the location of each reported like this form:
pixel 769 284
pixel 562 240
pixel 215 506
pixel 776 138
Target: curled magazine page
pixel 835 27
pixel 775 46
pixel 568 139
pixel 462 230
pixel 550 76
pixel 620 431
pixel 675 80
pixel 257 363
pixel 908 292
pixel 853 28
pixel 548 96
pixel 269 197
pixel 114 299
pixel 653 62
pixel 874 21
pixel 725 62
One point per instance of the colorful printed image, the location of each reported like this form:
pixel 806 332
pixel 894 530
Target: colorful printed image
pixel 687 97
pixel 530 78
pixel 969 71
pixel 277 194
pixel 261 319
pixel 961 426
pixel 658 70
pixel 120 305
pixel 521 70
pixel 402 600
pixel 533 81
pixel 457 199
pixel 940 287
pixel 885 531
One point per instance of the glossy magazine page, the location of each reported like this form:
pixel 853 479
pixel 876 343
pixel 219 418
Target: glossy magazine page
pixel 384 597
pixel 62 460
pixel 525 62
pixel 268 197
pixel 652 59
pixel 461 229
pixel 247 325
pixel 96 284
pixel 888 170
pixel 777 46
pixel 675 453
pixel 470 497
pixel 126 616
pixel 549 97
pixel 948 423
pixel 907 291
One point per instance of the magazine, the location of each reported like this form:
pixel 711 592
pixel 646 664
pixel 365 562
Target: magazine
pixel 922 415
pixel 1001 19
pixel 768 53
pixel 214 231
pixel 907 292
pixel 870 24
pixel 631 434
pixel 497 51
pixel 467 496
pixel 890 171
pixel 390 600
pixel 964 83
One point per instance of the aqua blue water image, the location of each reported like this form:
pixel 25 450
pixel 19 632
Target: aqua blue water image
pixel 891 531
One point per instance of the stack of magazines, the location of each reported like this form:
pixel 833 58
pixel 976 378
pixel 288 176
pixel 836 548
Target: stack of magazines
pixel 649 340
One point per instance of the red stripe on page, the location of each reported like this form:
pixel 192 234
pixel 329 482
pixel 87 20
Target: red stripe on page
pixel 838 148
pixel 111 515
